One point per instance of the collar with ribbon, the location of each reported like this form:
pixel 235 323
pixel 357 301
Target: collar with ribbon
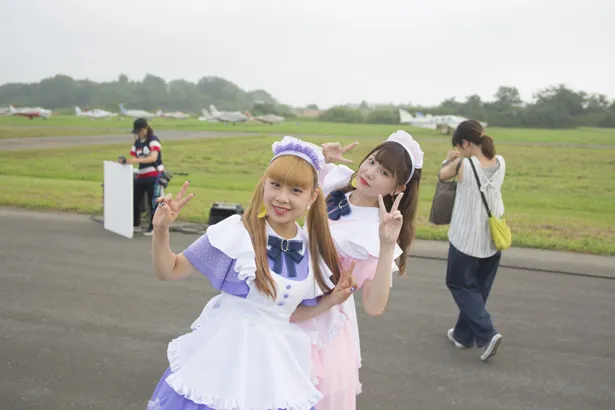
pixel 337 205
pixel 290 250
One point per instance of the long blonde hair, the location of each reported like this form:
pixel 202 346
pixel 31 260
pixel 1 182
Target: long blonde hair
pixel 293 171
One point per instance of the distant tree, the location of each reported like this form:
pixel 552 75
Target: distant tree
pixel 261 108
pixel 382 116
pixel 507 97
pixel 556 107
pixel 343 114
pixel 152 93
pixel 262 96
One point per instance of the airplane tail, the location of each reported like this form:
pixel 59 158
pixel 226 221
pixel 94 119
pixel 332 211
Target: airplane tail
pixel 213 110
pixel 122 109
pixel 405 117
pixel 12 108
pixel 77 110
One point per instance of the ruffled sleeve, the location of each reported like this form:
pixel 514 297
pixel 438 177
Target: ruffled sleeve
pixel 225 256
pixel 335 177
pixel 322 174
pixel 216 266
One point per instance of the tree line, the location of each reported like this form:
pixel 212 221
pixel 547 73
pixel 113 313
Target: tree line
pixel 556 106
pixel 62 93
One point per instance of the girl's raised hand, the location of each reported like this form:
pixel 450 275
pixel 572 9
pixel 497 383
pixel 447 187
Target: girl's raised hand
pixel 390 222
pixel 333 152
pixel 345 286
pixel 168 208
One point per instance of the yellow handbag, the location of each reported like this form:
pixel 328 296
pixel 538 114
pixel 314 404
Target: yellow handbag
pixel 500 232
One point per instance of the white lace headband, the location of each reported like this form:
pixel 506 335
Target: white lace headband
pixel 411 146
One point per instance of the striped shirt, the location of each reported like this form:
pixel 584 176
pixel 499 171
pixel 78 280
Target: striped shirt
pixel 142 149
pixel 469 228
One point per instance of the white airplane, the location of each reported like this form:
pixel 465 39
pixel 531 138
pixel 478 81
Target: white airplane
pixel 95 113
pixel 207 116
pixel 227 116
pixel 266 119
pixel 177 115
pixel 445 123
pixel 136 113
pixel 30 112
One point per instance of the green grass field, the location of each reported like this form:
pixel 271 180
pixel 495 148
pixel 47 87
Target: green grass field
pixel 556 197
pixel 16 127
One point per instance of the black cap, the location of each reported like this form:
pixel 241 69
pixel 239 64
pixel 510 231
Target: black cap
pixel 139 124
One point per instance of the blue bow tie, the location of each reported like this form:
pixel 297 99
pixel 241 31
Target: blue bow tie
pixel 337 205
pixel 290 249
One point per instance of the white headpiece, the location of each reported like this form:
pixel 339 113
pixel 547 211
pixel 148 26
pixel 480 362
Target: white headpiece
pixel 412 148
pixel 294 146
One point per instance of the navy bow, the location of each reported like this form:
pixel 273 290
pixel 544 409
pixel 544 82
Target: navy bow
pixel 290 249
pixel 337 205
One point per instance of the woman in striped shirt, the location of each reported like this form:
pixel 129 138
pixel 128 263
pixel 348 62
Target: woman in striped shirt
pixel 147 152
pixel 473 259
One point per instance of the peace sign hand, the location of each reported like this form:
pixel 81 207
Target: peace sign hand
pixel 168 208
pixel 344 288
pixel 333 152
pixel 390 222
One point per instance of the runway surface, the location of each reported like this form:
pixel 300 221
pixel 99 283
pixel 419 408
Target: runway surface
pixel 84 324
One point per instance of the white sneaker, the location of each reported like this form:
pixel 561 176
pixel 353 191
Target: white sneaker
pixel 492 347
pixel 455 342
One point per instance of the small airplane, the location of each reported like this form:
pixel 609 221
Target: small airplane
pixel 207 116
pixel 266 119
pixel 447 124
pixel 177 115
pixel 95 113
pixel 30 112
pixel 227 116
pixel 136 113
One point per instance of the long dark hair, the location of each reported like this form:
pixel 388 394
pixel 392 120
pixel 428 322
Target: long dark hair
pixel 395 158
pixel 472 131
pixel 150 132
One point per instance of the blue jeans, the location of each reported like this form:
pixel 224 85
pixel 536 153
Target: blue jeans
pixel 470 279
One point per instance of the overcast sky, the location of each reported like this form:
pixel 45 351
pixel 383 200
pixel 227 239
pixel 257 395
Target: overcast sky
pixel 319 51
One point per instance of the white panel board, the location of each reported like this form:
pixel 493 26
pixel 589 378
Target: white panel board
pixel 118 198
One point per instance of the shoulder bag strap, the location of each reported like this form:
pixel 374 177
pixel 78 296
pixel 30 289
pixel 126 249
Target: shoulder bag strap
pixel 456 168
pixel 482 195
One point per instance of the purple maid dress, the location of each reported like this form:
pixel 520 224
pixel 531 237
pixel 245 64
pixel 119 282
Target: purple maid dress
pixel 246 308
